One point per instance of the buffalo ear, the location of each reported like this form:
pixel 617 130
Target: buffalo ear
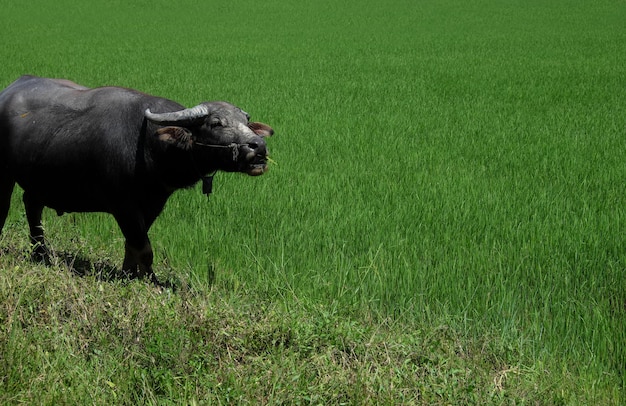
pixel 177 136
pixel 261 129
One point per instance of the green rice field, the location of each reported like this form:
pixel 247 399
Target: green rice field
pixel 447 200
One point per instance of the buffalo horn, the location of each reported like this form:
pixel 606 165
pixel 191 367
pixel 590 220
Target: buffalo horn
pixel 182 117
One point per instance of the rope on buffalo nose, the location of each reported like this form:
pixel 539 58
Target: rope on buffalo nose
pixel 234 148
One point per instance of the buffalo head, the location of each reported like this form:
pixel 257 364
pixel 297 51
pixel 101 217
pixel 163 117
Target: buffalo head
pixel 217 126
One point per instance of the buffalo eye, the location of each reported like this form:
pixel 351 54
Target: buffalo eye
pixel 216 124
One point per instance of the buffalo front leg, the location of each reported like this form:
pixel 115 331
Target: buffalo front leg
pixel 138 261
pixel 33 215
pixel 138 256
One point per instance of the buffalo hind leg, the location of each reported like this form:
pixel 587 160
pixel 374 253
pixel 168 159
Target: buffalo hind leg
pixel 33 215
pixel 6 190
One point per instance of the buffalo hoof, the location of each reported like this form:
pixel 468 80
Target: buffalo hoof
pixel 41 254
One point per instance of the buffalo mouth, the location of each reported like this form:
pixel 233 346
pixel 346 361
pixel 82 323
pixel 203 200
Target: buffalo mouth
pixel 257 167
pixel 258 163
pixel 254 158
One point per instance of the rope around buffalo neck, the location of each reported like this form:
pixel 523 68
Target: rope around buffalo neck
pixel 207 180
pixel 207 184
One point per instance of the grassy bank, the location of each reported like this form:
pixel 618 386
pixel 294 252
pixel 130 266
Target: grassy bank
pixel 68 339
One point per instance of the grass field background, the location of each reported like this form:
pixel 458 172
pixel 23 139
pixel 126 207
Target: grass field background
pixel 438 163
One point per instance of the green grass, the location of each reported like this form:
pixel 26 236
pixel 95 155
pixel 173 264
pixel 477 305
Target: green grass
pixel 445 171
pixel 73 340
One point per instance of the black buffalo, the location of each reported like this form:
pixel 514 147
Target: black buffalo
pixel 114 150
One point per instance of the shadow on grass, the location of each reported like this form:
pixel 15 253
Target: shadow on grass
pixel 79 265
pixel 102 270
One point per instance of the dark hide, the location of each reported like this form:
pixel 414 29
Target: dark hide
pixel 76 149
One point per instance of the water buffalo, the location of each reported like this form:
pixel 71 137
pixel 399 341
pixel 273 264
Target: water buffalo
pixel 114 150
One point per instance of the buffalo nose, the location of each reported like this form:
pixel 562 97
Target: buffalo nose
pixel 257 144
